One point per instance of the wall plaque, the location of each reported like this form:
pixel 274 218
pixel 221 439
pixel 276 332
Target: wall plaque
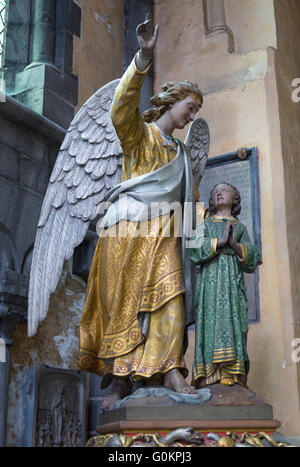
pixel 241 169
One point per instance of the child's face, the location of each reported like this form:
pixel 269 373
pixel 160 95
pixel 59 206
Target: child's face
pixel 223 195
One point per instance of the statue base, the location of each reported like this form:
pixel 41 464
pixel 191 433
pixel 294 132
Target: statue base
pixel 233 409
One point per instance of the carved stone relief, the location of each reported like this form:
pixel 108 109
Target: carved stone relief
pixel 55 408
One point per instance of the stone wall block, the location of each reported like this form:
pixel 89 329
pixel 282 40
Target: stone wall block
pixel 51 105
pixel 63 84
pixel 19 212
pixel 20 139
pixel 52 155
pixel 10 163
pixel 34 176
pixel 57 109
pixel 14 283
pixel 73 24
pixel 9 134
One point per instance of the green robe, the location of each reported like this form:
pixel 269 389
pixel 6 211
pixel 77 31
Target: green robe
pixel 221 322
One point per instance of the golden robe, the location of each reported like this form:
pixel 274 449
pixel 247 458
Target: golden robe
pixel 132 275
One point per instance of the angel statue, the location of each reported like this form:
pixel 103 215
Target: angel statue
pixel 139 291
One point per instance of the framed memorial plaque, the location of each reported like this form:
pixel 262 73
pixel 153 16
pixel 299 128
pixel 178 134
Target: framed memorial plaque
pixel 241 169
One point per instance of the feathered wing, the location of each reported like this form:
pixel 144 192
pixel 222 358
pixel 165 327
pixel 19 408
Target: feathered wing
pixel 88 165
pixel 198 140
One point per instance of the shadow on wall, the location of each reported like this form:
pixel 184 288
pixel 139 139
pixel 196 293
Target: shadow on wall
pixel 9 258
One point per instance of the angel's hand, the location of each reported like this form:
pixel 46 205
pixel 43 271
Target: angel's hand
pixel 147 41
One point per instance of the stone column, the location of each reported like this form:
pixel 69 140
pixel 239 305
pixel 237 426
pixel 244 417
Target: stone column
pixel 13 305
pixel 215 14
pixel 6 329
pixel 46 84
pixel 43 33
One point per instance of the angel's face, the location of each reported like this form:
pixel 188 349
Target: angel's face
pixel 183 112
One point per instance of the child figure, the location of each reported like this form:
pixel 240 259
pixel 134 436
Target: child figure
pixel 220 299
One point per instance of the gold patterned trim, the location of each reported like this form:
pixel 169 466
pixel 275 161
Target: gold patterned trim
pixel 148 370
pixel 216 218
pixel 88 362
pixel 156 295
pixel 237 369
pixel 224 355
pixel 122 343
pixel 207 370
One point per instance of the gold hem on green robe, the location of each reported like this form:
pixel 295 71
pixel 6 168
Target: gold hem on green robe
pixel 204 375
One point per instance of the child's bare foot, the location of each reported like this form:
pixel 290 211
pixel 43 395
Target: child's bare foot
pixel 120 389
pixel 174 380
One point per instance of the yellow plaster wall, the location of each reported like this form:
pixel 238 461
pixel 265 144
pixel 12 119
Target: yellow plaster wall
pixel 253 25
pixel 98 53
pixel 183 45
pixel 241 107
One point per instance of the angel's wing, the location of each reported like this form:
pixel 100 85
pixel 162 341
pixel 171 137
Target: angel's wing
pixel 88 165
pixel 197 140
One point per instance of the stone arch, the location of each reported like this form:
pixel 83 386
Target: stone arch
pixel 26 263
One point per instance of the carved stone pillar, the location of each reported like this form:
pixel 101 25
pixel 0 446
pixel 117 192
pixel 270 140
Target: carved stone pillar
pixel 4 378
pixel 13 305
pixel 215 21
pixel 43 32
pixel 39 73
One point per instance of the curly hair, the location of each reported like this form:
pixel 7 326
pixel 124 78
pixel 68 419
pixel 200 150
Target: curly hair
pixel 236 206
pixel 172 92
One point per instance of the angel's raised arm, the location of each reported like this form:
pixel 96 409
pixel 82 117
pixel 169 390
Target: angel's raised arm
pixel 125 113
